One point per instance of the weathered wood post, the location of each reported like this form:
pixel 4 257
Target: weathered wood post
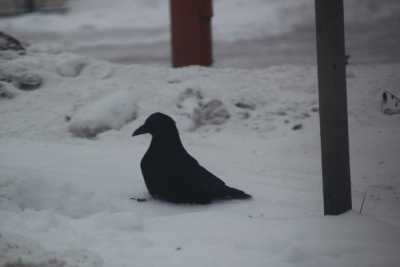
pixel 191 32
pixel 333 106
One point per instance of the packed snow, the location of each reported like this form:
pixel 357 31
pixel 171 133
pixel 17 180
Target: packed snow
pixel 69 167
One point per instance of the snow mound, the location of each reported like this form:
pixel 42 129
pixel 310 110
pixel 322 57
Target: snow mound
pixel 21 72
pixel 28 81
pixel 200 110
pixel 110 112
pixel 70 65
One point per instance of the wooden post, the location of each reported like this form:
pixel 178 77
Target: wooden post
pixel 191 32
pixel 333 106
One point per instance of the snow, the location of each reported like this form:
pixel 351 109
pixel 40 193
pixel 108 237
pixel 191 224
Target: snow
pixel 111 112
pixel 65 200
pixel 69 166
pixel 70 66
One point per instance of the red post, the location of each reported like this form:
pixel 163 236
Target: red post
pixel 191 32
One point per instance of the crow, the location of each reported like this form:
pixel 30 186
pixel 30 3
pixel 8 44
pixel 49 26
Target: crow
pixel 172 174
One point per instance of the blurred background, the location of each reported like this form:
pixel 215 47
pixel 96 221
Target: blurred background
pixel 246 33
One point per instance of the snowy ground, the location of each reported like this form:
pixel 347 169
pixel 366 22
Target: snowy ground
pixel 68 164
pixel 64 200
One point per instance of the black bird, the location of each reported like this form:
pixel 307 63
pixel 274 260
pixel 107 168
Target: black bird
pixel 172 174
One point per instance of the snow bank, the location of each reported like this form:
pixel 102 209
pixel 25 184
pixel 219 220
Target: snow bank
pixel 98 96
pixel 110 112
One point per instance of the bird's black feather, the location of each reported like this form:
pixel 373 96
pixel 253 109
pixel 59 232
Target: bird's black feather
pixel 172 174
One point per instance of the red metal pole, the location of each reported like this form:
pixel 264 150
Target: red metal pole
pixel 191 32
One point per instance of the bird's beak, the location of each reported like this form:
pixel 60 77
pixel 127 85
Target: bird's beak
pixel 141 130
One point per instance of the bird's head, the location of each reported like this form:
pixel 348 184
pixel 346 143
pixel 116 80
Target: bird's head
pixel 155 124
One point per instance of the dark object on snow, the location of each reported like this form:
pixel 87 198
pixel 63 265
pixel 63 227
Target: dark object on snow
pixel 245 105
pixel 172 174
pixel 297 127
pixel 138 199
pixel 28 81
pixel 8 42
pixel 390 103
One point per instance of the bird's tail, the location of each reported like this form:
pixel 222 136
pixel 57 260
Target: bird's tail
pixel 234 193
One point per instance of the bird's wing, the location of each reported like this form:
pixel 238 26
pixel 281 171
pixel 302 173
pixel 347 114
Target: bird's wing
pixel 199 178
